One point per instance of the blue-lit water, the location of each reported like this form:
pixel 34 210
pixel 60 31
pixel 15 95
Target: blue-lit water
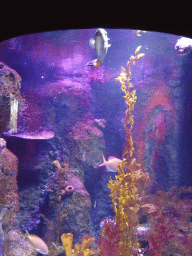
pixel 72 112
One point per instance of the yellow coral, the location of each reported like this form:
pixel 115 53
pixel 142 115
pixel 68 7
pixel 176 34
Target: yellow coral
pixel 124 190
pixel 67 241
pixel 86 242
pixel 89 252
pixel 57 164
pixel 82 249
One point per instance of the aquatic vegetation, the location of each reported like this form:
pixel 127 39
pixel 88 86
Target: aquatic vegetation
pixel 83 249
pixel 108 243
pixel 170 224
pixel 61 175
pixel 124 189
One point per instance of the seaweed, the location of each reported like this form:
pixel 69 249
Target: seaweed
pixel 108 243
pixel 125 188
pixel 170 225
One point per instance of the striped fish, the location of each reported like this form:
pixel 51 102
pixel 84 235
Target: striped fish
pixel 100 43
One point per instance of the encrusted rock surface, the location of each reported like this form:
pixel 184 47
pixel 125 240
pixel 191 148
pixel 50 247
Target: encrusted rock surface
pixel 9 84
pixel 15 242
pixel 68 213
pixel 18 245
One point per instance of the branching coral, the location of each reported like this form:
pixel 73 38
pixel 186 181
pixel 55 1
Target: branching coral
pixel 124 189
pixel 82 249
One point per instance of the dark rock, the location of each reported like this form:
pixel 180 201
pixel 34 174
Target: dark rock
pixel 15 242
pixel 85 142
pixel 8 187
pixel 68 213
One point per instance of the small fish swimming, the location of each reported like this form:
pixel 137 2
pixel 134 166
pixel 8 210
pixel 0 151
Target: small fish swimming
pixel 3 211
pixel 183 45
pixel 101 45
pixel 38 244
pixel 112 163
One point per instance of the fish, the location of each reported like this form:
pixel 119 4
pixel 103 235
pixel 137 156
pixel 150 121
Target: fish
pixel 138 32
pixel 38 243
pixel 112 163
pixel 183 45
pixel 151 208
pixel 3 211
pixel 101 45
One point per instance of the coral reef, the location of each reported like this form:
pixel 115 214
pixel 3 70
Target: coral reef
pixel 11 101
pixel 8 187
pixel 44 135
pixel 86 142
pixel 170 223
pixel 14 242
pixel 68 204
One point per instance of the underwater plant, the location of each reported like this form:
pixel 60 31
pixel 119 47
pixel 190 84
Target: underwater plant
pixel 170 231
pixel 108 243
pixel 124 189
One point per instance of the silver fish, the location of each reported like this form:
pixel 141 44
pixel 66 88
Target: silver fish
pixel 101 45
pixel 3 211
pixel 183 45
pixel 112 163
pixel 38 244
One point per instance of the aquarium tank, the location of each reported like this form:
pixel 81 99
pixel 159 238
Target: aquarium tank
pixel 95 143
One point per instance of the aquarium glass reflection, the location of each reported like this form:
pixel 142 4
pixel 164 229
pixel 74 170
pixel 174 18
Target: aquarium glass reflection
pixel 95 143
